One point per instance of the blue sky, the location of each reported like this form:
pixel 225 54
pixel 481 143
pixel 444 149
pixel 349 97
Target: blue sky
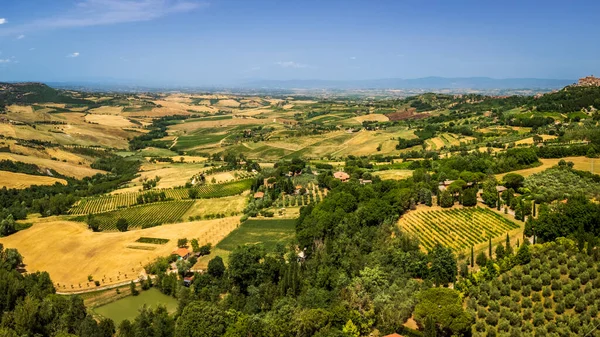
pixel 224 42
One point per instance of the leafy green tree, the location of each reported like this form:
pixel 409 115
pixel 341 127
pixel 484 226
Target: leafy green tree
pixel 134 291
pixel 481 259
pixel 350 330
pixel 469 197
pixel 93 223
pixel 443 268
pixel 513 180
pixel 201 319
pixel 192 193
pixel 216 267
pixel 245 265
pixel 500 252
pixel 181 243
pixel 106 327
pixel 444 306
pixel 195 245
pixel 122 225
pixel 446 199
pixel 490 194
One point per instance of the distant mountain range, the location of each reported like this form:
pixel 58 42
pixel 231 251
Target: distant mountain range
pixel 478 83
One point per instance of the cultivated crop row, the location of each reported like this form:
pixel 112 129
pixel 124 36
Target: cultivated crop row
pixel 114 202
pixel 145 216
pixel 456 228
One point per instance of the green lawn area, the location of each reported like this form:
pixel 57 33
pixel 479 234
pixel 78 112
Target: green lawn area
pixel 186 142
pixel 127 307
pixel 157 152
pixel 267 232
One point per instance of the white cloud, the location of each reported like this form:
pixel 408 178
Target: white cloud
pixel 353 57
pixel 291 64
pixel 107 12
pixel 31 49
pixel 75 54
pixel 3 21
pixel 20 37
pixel 5 61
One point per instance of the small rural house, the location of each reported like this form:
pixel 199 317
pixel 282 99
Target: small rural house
pixel 444 184
pixel 259 195
pixel 343 176
pixel 393 335
pixel 187 281
pixel 500 189
pixel 365 181
pixel 183 253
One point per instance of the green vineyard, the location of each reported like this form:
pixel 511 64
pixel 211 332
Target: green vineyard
pixel 144 216
pixel 457 228
pixel 114 202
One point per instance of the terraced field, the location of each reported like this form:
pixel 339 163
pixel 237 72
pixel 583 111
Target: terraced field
pixel 458 228
pixel 113 202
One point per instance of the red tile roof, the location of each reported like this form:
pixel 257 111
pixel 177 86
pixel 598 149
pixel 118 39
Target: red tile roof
pixel 182 252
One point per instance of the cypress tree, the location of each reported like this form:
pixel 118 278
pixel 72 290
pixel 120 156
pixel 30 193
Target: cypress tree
pixel 472 257
pixel 508 249
pixel 490 248
pixel 499 201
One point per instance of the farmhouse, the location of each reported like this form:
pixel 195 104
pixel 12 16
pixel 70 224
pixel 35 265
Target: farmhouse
pixel 365 181
pixel 187 281
pixel 444 184
pixel 343 176
pixel 500 189
pixel 183 253
pixel 393 335
pixel 259 195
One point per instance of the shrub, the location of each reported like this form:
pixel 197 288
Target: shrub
pixel 580 305
pixel 538 319
pixel 570 301
pixel 548 303
pixel 491 318
pixel 526 302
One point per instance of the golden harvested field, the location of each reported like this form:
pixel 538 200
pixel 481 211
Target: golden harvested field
pixel 7 130
pixel 226 205
pixel 107 110
pixel 193 126
pixel 394 174
pixel 221 177
pixel 581 163
pixel 67 169
pixel 366 143
pixel 229 103
pixel 171 175
pixel 21 180
pixel 529 140
pixel 190 159
pixel 70 252
pixel 372 117
pixel 109 120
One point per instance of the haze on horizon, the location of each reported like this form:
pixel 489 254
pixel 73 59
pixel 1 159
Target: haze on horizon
pixel 224 42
